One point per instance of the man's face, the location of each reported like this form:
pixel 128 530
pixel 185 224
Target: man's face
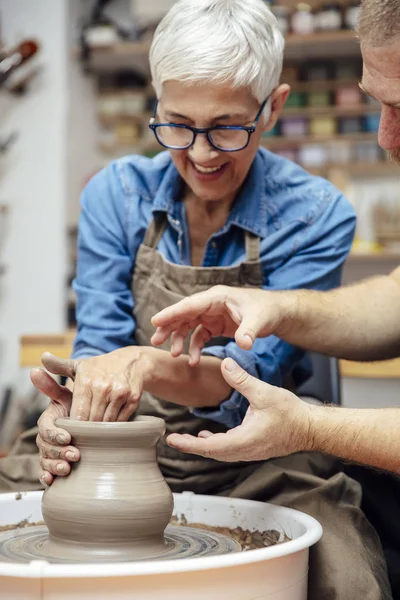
pixel 381 80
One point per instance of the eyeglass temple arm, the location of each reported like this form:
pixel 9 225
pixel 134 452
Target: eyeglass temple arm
pixel 153 116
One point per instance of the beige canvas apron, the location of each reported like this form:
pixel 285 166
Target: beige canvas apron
pixel 348 562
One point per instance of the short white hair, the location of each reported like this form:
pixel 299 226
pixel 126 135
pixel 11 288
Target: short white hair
pixel 234 42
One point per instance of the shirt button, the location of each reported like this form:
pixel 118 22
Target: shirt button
pixel 213 244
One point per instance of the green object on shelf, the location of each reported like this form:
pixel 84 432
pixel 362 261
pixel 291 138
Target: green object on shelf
pixel 319 99
pixel 275 131
pixel 295 100
pixel 151 153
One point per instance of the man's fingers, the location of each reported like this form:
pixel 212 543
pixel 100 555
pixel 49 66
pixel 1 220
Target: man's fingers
pixel 59 366
pixel 161 335
pixel 200 337
pixel 48 386
pixel 220 446
pixel 204 434
pixel 186 310
pixel 178 338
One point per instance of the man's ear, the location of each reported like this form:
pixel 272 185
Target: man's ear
pixel 278 101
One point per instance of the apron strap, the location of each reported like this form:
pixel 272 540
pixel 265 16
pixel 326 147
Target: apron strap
pixel 155 231
pixel 252 243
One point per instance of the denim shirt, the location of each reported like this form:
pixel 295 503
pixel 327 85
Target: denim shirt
pixel 305 224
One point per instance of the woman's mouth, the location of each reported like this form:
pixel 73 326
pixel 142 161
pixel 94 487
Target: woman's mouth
pixel 208 173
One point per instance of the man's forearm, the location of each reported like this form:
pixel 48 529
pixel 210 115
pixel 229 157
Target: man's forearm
pixel 366 436
pixel 359 322
pixel 173 380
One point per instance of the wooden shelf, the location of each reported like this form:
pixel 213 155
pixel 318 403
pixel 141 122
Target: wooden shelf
pixel 323 85
pixel 114 120
pixel 33 346
pixel 384 255
pixel 316 45
pixel 362 169
pixel 331 111
pixel 274 143
pixel 329 44
pixel 388 369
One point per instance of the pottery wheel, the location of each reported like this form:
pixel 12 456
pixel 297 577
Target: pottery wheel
pixel 33 543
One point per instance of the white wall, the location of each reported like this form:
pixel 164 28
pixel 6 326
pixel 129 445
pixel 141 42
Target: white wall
pixel 33 183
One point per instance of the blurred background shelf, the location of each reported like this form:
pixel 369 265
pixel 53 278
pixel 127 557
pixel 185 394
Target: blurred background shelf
pixel 322 44
pixel 274 143
pixel 332 111
pixel 388 369
pixel 333 44
pixel 33 346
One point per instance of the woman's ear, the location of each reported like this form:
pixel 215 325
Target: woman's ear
pixel 278 101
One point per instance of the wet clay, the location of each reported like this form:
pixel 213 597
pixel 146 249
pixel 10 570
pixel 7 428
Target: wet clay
pixel 20 525
pixel 115 502
pixel 248 540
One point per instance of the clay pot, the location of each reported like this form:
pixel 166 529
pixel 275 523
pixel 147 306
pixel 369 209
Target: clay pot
pixel 115 502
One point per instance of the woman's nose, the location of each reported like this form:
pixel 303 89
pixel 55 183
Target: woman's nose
pixel 389 128
pixel 202 151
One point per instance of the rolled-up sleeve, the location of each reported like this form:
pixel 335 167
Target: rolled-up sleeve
pixel 318 253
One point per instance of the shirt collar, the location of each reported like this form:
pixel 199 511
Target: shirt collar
pixel 248 212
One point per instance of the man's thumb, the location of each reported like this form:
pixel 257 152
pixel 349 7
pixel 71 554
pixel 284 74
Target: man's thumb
pixel 253 389
pixel 249 329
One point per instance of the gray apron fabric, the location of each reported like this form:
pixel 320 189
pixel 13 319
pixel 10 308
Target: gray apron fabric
pixel 348 562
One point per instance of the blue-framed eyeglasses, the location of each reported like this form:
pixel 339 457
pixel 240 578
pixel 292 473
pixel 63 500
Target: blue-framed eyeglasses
pixel 223 138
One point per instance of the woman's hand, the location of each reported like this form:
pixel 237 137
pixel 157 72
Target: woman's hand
pixel 106 388
pixel 277 423
pixel 55 452
pixel 220 311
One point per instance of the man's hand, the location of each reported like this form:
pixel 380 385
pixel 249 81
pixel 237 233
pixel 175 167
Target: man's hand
pixel 220 311
pixel 277 423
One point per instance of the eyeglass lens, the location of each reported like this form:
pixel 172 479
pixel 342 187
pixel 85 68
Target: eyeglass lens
pixel 181 137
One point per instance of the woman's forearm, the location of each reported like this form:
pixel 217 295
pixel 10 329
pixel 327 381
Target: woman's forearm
pixel 358 322
pixel 173 380
pixel 365 436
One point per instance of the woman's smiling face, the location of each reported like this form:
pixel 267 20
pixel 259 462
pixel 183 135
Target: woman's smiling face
pixel 213 175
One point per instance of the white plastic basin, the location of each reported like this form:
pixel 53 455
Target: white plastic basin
pixel 275 573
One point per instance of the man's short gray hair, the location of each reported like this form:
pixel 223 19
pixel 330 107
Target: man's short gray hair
pixel 234 42
pixel 379 22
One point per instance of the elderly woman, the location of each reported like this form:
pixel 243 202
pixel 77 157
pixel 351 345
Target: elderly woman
pixel 216 208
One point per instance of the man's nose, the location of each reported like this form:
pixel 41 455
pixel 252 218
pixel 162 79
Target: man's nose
pixel 202 151
pixel 389 128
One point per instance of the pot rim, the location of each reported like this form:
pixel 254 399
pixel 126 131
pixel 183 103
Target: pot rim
pixel 140 425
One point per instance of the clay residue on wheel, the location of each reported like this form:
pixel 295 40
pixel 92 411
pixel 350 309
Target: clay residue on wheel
pixel 20 525
pixel 248 540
